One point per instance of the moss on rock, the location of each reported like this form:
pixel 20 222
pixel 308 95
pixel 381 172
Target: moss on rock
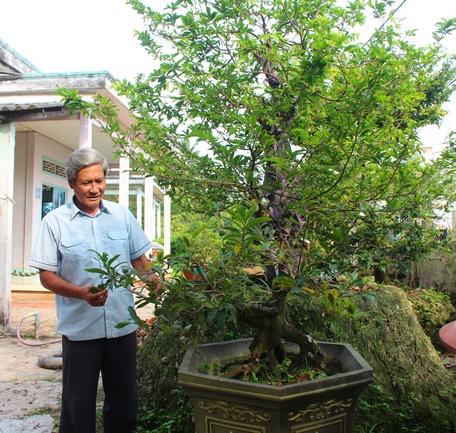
pixel 163 406
pixel 412 391
pixel 433 309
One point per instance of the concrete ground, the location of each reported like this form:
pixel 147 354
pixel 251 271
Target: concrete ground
pixel 30 394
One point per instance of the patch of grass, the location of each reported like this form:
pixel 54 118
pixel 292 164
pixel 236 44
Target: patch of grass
pixel 100 400
pixel 53 379
pixel 45 410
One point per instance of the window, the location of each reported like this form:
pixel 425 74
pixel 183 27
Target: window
pixel 51 198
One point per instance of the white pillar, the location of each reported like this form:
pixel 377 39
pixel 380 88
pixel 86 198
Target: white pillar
pixel 167 225
pixel 139 210
pixel 124 181
pixel 158 220
pixel 7 145
pixel 149 213
pixel 29 202
pixel 85 132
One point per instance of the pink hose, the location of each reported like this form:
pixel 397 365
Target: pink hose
pixel 37 332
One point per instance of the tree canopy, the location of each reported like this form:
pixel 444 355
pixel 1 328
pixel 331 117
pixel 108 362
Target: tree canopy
pixel 283 105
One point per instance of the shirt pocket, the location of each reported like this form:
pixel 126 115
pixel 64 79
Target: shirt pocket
pixel 118 235
pixel 118 243
pixel 73 248
pixel 72 241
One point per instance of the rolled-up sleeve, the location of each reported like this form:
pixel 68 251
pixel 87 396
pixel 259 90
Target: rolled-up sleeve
pixel 45 251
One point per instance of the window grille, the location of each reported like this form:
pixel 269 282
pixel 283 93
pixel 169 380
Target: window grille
pixel 53 168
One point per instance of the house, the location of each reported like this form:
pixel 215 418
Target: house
pixel 36 136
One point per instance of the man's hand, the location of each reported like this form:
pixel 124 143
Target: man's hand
pixel 97 299
pixel 59 286
pixel 154 282
pixel 150 279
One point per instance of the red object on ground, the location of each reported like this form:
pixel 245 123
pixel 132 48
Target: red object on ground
pixel 447 336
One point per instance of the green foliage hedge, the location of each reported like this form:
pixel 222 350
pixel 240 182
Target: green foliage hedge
pixel 433 309
pixel 163 406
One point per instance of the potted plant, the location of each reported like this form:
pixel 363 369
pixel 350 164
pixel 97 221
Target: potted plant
pixel 307 149
pixel 227 290
pixel 223 404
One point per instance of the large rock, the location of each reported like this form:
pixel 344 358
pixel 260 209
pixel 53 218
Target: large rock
pixel 412 391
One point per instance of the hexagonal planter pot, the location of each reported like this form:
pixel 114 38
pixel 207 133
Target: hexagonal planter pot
pixel 223 405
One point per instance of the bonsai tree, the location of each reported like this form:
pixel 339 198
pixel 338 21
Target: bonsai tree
pixel 304 139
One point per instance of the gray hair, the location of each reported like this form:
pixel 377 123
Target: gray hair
pixel 81 158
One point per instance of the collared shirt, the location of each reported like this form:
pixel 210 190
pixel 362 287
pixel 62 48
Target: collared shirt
pixel 63 245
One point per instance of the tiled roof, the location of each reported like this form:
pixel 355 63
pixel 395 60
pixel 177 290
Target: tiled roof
pixel 29 106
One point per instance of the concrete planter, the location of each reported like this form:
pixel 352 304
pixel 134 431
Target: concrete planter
pixel 225 405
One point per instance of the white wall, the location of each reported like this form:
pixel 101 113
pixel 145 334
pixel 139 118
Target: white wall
pixel 31 148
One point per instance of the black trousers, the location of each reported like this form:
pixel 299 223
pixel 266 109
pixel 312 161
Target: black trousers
pixel 83 361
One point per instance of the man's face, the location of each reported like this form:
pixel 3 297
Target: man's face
pixel 89 188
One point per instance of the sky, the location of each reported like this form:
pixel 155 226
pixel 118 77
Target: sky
pixel 98 35
pixel 76 36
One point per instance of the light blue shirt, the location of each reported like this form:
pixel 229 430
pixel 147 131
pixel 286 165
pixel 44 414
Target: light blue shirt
pixel 63 245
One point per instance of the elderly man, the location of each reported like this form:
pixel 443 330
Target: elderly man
pixel 91 342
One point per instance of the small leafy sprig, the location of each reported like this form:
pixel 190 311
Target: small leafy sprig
pixel 120 275
pixel 113 274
